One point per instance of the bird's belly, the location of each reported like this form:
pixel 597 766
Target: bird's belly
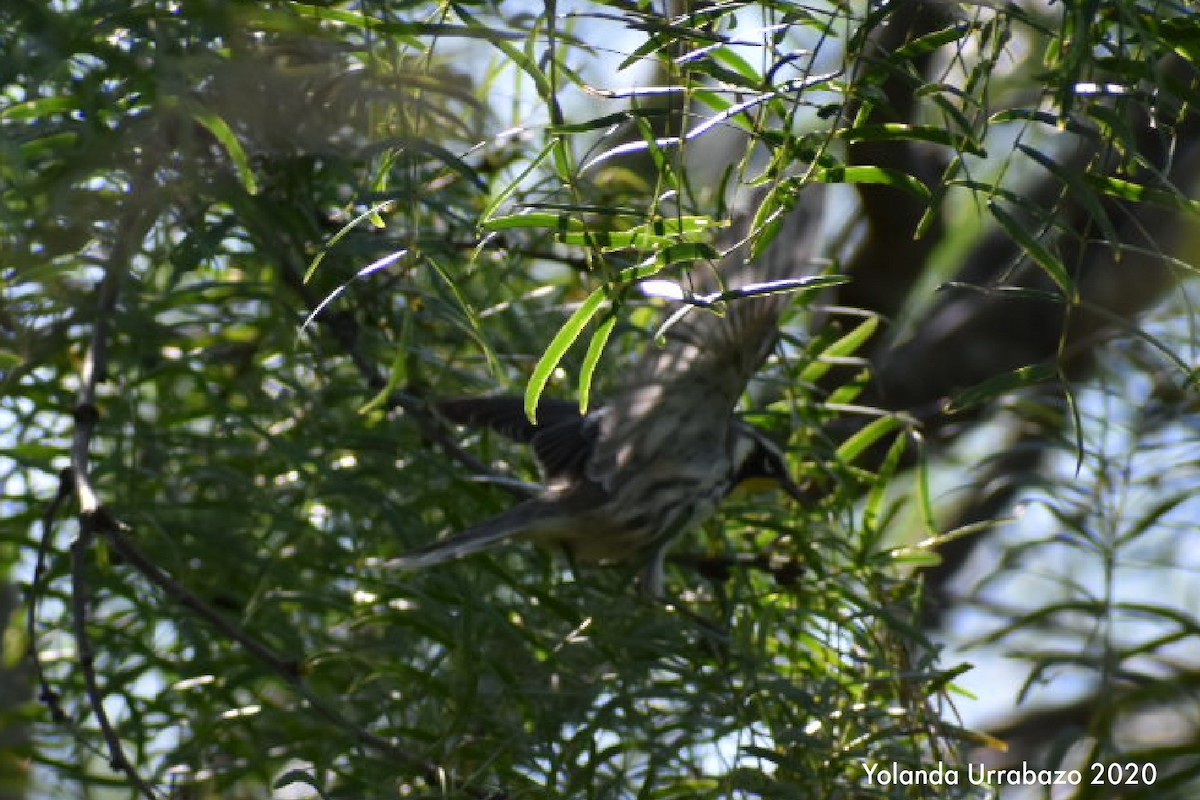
pixel 629 528
pixel 592 542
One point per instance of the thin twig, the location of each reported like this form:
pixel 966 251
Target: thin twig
pixel 131 228
pixel 46 694
pixel 118 759
pixel 95 518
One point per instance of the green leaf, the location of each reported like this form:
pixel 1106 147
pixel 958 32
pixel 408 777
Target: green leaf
pixel 874 515
pixel 1181 33
pixel 534 219
pixel 924 493
pixel 685 251
pixel 609 120
pixel 1127 190
pixel 1035 249
pixel 1056 121
pixel 558 347
pixel 486 216
pixel 768 218
pixel 897 131
pixel 45 146
pixel 220 129
pixel 370 213
pixel 409 29
pixel 592 359
pixel 843 347
pixel 849 450
pixel 398 374
pixel 734 60
pixel 926 44
pixel 1080 190
pixel 39 108
pixel 876 175
pixel 1020 378
pixel 916 558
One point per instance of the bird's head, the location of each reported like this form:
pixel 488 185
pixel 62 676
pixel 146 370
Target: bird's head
pixel 759 464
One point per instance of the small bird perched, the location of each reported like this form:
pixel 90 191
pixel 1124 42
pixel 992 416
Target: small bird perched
pixel 624 481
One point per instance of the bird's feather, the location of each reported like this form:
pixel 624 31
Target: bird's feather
pixel 707 359
pixel 660 456
pixel 518 520
pixel 505 414
pixel 561 438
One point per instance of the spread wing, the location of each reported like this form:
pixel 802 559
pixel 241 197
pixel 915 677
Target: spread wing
pixel 698 375
pixel 505 414
pixel 561 439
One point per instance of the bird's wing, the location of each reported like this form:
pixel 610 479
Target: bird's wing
pixel 562 448
pixel 708 358
pixel 561 439
pixel 505 414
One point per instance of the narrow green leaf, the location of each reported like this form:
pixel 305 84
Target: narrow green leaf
pixel 43 146
pixel 734 60
pixel 849 450
pixel 654 147
pixel 1181 33
pixel 502 196
pixel 989 190
pixel 1035 249
pixel 845 346
pixel 916 558
pixel 608 120
pixel 848 391
pixel 220 129
pixel 437 152
pixel 545 87
pixel 440 30
pixel 923 45
pixel 592 359
pixel 1080 190
pixel 686 251
pixel 937 540
pixel 992 388
pixel 873 507
pixel 714 100
pixel 1126 190
pixel 558 347
pixel 877 175
pixel 9 359
pixel 1056 121
pixel 896 131
pixel 534 219
pixel 727 76
pixel 938 94
pixel 1153 516
pixel 924 493
pixel 39 108
pixel 768 218
pixel 398 374
pixel 371 212
pixel 473 328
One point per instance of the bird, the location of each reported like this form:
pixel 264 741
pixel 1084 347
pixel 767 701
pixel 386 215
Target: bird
pixel 626 480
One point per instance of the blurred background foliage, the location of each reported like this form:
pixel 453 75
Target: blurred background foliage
pixel 279 228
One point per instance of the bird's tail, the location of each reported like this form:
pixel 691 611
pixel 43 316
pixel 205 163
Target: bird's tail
pixel 517 521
